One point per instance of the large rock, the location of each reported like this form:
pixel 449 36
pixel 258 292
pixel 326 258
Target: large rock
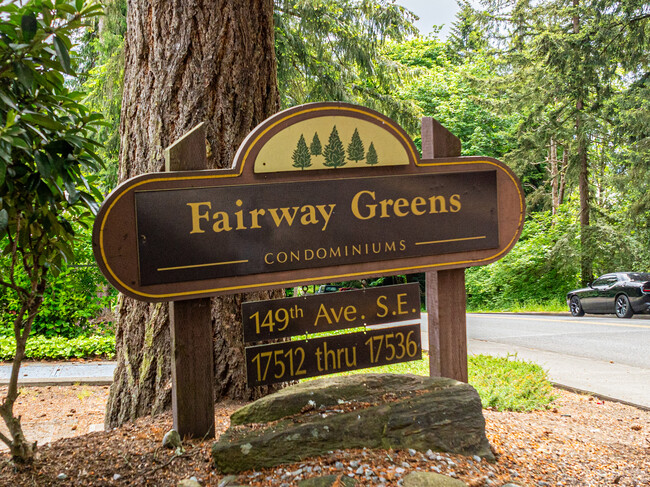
pixel 365 410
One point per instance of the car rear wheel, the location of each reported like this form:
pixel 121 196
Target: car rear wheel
pixel 623 308
pixel 576 307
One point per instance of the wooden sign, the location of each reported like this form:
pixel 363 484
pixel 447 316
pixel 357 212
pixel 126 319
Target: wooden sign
pixel 284 215
pixel 294 360
pixel 317 313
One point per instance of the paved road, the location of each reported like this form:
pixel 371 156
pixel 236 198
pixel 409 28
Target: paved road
pixel 602 338
pixel 601 354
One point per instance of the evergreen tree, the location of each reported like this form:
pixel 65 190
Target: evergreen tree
pixel 467 34
pixel 301 157
pixel 564 61
pixel 356 151
pixel 315 147
pixel 334 152
pixel 371 156
pixel 334 50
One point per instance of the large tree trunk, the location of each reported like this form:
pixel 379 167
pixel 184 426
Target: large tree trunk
pixel 586 259
pixel 187 62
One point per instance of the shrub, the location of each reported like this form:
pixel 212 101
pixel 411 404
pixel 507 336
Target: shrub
pixel 509 384
pixel 59 348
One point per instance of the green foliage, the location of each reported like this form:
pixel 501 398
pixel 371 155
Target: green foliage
pixel 543 265
pixel 45 144
pixel 333 50
pixel 334 152
pixel 76 302
pixel 103 76
pixel 509 384
pixel 356 151
pixel 456 95
pixel 301 156
pixel 60 348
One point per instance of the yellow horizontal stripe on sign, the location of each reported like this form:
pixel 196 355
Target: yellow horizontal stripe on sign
pixel 201 265
pixel 450 240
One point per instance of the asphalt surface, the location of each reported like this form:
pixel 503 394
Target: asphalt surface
pixel 602 355
pixel 535 338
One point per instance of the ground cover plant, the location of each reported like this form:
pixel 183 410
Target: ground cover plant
pixel 61 348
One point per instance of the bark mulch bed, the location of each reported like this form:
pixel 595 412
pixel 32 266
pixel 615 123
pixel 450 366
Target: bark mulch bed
pixel 580 441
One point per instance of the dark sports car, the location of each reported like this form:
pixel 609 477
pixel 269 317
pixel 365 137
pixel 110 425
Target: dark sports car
pixel 623 293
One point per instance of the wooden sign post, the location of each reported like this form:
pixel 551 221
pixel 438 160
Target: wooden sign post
pixel 191 324
pixel 445 290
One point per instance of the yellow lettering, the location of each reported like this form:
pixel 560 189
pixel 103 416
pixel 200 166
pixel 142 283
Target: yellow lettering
pixel 287 215
pixel 221 222
pixel 254 217
pixel 401 301
pixel 442 204
pixel 400 205
pixel 350 313
pixel 240 216
pixel 369 207
pixel 384 308
pixel 384 208
pixel 322 313
pixel 415 205
pixel 197 217
pixel 455 203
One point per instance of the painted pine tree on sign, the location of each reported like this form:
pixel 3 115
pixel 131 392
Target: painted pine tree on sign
pixel 301 156
pixel 334 152
pixel 371 156
pixel 315 147
pixel 356 151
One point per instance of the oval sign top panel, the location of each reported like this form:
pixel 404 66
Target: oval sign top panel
pixel 326 136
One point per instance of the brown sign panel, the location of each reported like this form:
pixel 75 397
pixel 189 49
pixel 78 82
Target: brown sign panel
pixel 295 360
pixel 317 313
pixel 240 230
pixel 281 218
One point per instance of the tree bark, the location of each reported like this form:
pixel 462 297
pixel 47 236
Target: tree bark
pixel 586 259
pixel 187 62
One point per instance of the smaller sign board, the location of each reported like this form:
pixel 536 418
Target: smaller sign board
pixel 281 318
pixel 294 360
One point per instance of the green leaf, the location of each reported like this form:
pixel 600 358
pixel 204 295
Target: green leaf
pixel 18 142
pixel 3 172
pixel 62 54
pixel 43 164
pixel 25 75
pixel 11 118
pixel 43 121
pixel 29 26
pixel 79 4
pixel 8 101
pixel 69 9
pixel 4 222
pixel 91 204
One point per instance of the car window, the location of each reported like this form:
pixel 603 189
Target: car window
pixel 605 281
pixel 638 276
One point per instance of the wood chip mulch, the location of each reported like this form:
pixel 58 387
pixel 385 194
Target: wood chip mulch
pixel 581 441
